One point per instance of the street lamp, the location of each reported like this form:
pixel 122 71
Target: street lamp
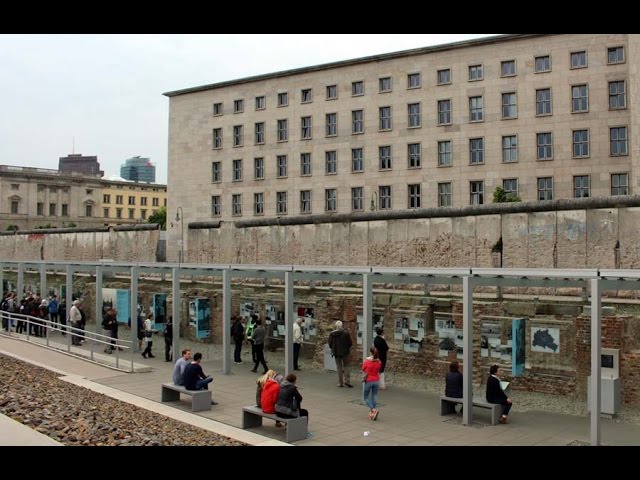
pixel 180 218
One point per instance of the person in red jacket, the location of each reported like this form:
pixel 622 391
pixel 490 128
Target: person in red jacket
pixel 371 378
pixel 268 390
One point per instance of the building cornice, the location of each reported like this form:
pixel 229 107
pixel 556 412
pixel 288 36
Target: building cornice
pixel 357 61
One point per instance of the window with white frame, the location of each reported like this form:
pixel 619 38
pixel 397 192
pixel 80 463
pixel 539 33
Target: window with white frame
pixel 444 153
pixel 543 102
pixel 543 64
pixel 414 80
pixel 618 141
pixel 306 95
pixel 331 120
pixel 237 170
pixel 384 197
pixel 305 128
pixel 283 99
pixel 617 95
pixel 620 184
pixel 331 200
pixel 217 109
pixel 330 162
pixel 509 105
pixel 414 154
pixel 545 188
pixel 444 194
pixel 332 92
pixel 384 118
pixel 357 121
pixel 443 77
pixel 415 196
pixel 476 191
pixel 581 186
pixel 305 164
pixel 476 109
pixel 475 73
pixel 615 55
pixel 415 119
pixel 444 112
pixel 384 157
pixel 544 146
pixel 510 187
pixel 216 206
pixel 507 68
pixel 357 88
pixel 580 143
pixel 217 138
pixel 237 135
pixel 579 59
pixel 305 201
pixel 236 204
pixel 357 201
pixel 258 168
pixel 261 103
pixel 384 84
pixel 476 151
pixel 283 130
pixel 357 160
pixel 238 106
pixel 579 98
pixel 509 148
pixel 216 172
pixel 281 203
pixel 259 133
pixel 281 165
pixel 258 203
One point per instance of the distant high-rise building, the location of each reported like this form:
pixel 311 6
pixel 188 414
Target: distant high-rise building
pixel 138 169
pixel 77 163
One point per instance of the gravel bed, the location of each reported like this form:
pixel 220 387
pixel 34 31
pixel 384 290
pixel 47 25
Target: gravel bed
pixel 74 415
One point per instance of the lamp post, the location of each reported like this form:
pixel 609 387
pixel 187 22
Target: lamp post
pixel 180 218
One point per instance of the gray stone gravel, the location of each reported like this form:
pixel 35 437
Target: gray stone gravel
pixel 74 415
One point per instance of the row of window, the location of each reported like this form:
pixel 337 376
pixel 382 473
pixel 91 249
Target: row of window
pixel 155 201
pixel 543 98
pixel 53 209
pixel 542 64
pixel 618 146
pixel 581 189
pixel 106 213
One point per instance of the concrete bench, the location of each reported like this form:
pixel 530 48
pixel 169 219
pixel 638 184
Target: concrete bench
pixel 200 399
pixel 448 405
pixel 296 427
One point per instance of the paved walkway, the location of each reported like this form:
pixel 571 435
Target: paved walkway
pixel 336 415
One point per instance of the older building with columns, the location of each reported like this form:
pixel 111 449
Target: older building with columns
pixel 543 116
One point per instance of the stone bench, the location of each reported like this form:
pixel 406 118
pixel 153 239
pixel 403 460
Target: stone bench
pixel 448 405
pixel 296 427
pixel 200 399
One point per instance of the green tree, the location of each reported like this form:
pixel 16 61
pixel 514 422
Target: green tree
pixel 12 228
pixel 160 217
pixel 70 225
pixel 500 196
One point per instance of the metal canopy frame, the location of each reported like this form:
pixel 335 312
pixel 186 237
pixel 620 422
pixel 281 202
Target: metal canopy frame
pixel 597 280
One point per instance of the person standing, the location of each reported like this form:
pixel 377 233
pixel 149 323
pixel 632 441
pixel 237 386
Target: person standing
pixel 181 364
pixel 110 326
pixel 297 341
pixel 75 318
pixel 259 335
pixel 237 333
pixel 148 338
pixel 381 345
pixel 453 382
pixel 53 309
pixel 371 368
pixel 495 394
pixel 340 345
pixel 168 340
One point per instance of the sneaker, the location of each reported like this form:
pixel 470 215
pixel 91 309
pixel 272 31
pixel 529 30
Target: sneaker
pixel 349 385
pixel 254 370
pixel 239 363
pixel 279 424
pixel 370 415
pixel 503 419
pixel 339 385
pixel 213 402
pixel 375 414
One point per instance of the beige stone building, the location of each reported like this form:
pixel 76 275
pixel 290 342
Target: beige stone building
pixel 543 116
pixel 124 202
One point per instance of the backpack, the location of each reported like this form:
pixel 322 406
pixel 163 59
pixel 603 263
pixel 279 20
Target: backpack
pixel 4 305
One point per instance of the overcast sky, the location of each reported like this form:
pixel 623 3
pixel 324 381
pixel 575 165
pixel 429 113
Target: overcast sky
pixel 106 90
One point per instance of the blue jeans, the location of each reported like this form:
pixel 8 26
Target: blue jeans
pixel 201 384
pixel 370 390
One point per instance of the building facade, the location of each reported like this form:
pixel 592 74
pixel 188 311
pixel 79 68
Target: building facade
pixel 130 202
pixel 78 163
pixel 138 169
pixel 38 197
pixel 541 116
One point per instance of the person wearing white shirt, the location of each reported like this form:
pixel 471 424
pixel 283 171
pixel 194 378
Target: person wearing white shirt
pixel 297 341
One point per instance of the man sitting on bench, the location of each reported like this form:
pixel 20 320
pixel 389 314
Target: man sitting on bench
pixel 181 365
pixel 495 393
pixel 194 378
